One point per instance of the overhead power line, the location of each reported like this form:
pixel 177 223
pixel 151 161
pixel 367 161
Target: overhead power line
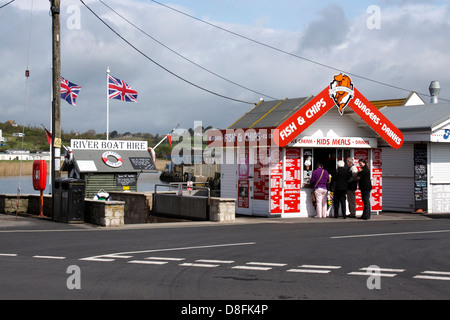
pixel 159 65
pixel 181 56
pixel 289 53
pixel 1 7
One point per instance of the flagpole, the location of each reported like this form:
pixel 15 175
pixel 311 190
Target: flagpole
pixel 107 103
pixel 159 143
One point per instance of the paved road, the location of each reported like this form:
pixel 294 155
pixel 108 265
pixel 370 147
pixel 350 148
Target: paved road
pixel 390 257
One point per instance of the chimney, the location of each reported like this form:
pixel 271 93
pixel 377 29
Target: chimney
pixel 435 89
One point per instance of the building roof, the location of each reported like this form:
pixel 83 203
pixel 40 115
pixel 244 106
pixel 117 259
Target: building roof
pixel 270 114
pixel 90 161
pixel 389 103
pixel 421 117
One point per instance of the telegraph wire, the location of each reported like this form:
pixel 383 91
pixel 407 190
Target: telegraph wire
pixel 183 57
pixel 159 65
pixel 1 7
pixel 289 53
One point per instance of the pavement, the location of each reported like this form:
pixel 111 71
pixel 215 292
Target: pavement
pixel 32 222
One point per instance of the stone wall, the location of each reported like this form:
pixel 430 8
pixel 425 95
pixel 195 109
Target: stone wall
pixel 138 205
pixel 9 204
pixel 104 213
pixel 101 213
pixel 222 210
pixel 129 208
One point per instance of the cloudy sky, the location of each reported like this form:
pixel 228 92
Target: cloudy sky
pixel 398 43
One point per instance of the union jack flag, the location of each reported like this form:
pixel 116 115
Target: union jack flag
pixel 118 89
pixel 69 91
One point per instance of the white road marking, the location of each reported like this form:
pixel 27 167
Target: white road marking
pixel 369 274
pixel 8 255
pixel 164 258
pixel 389 234
pixel 107 257
pixel 308 271
pixel 191 248
pixel 202 265
pixel 148 262
pixel 308 268
pixel 268 264
pixel 319 267
pixel 383 269
pixel 215 261
pixel 431 277
pixel 49 257
pixel 97 259
pixel 434 275
pixel 252 268
pixel 377 272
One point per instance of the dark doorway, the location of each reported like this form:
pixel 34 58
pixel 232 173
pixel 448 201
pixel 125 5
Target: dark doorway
pixel 327 157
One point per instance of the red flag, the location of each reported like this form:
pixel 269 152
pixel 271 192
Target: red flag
pixel 169 137
pixel 48 134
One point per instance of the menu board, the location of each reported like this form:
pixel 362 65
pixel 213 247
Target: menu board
pixel 243 195
pixel 420 176
pixel 276 183
pixel 360 154
pixel 377 175
pixel 243 163
pixel 261 175
pixel 292 180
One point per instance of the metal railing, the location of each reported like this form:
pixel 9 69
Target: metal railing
pixel 185 186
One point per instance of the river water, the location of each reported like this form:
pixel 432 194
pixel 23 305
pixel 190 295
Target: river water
pixel 9 185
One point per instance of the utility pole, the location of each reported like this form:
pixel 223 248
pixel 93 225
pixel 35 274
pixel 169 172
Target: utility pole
pixel 55 6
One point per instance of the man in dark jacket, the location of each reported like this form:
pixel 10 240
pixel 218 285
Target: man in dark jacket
pixel 352 185
pixel 339 182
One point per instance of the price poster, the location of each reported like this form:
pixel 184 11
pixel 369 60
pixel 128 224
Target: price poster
pixel 292 180
pixel 243 193
pixel 261 175
pixel 420 176
pixel 276 186
pixel 377 174
pixel 243 163
pixel 360 154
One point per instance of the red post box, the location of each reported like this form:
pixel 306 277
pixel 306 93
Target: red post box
pixel 39 175
pixel 40 181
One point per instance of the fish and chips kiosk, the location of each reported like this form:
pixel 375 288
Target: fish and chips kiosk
pixel 108 165
pixel 269 154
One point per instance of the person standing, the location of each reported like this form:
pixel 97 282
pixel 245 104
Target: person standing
pixel 319 180
pixel 365 185
pixel 339 182
pixel 352 185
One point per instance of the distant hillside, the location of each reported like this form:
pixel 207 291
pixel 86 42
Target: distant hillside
pixel 35 139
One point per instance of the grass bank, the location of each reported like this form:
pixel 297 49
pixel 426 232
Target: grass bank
pixel 12 168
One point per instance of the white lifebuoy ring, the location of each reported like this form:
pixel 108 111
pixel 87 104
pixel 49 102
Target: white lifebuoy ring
pixel 116 164
pixel 68 156
pixel 102 195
